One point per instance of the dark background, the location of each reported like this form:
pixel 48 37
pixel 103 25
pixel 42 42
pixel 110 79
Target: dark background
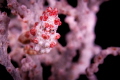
pixel 107 34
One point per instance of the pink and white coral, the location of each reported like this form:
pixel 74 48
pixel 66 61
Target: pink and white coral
pixel 31 29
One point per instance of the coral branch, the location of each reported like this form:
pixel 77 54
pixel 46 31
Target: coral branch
pixel 33 31
pixel 4 58
pixel 99 59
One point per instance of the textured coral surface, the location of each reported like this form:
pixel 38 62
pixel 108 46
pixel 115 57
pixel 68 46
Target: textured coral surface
pixel 59 40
